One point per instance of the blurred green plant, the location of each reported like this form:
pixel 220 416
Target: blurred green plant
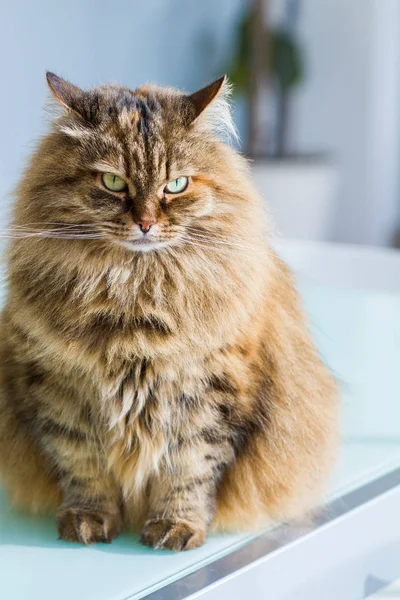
pixel 284 69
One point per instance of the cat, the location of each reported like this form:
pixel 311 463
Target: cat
pixel 157 372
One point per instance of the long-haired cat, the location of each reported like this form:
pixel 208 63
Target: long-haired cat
pixel 156 369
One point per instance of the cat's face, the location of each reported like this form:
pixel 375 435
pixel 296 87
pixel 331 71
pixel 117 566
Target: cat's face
pixel 137 167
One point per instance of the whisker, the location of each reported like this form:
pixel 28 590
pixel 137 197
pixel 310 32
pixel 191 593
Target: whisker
pixel 39 234
pixel 18 231
pixel 213 235
pixel 226 243
pixel 205 231
pixel 63 223
pixel 49 234
pixel 37 229
pixel 22 231
pixel 208 246
pixel 114 228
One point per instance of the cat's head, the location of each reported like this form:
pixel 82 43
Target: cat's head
pixel 143 168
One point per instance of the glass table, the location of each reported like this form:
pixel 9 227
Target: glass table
pixel 354 537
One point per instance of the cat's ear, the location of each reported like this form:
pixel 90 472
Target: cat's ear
pixel 70 96
pixel 202 98
pixel 210 109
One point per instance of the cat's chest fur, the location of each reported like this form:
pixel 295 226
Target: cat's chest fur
pixel 137 345
pixel 150 406
pixel 126 314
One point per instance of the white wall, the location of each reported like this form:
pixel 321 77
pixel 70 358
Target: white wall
pixel 350 107
pixel 383 150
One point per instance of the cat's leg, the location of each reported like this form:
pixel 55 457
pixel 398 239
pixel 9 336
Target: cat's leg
pixel 49 457
pixel 50 454
pixel 68 436
pixel 90 509
pixel 183 497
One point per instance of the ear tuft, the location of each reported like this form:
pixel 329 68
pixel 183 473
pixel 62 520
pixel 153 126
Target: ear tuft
pixel 212 109
pixel 202 98
pixel 70 96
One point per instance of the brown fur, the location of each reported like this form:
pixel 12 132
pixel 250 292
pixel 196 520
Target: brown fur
pixel 173 389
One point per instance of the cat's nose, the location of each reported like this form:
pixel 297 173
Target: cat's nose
pixel 145 226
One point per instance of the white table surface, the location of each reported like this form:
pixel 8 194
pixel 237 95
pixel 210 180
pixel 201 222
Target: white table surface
pixel 358 335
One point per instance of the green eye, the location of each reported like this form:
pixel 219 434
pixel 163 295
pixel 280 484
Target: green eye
pixel 113 182
pixel 177 185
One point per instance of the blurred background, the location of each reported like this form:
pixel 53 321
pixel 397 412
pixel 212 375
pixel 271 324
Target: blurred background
pixel 316 100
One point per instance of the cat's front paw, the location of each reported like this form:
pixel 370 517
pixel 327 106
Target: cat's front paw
pixel 87 526
pixel 172 534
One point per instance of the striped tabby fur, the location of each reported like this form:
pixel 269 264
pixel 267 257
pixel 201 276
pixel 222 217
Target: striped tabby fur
pixel 170 390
